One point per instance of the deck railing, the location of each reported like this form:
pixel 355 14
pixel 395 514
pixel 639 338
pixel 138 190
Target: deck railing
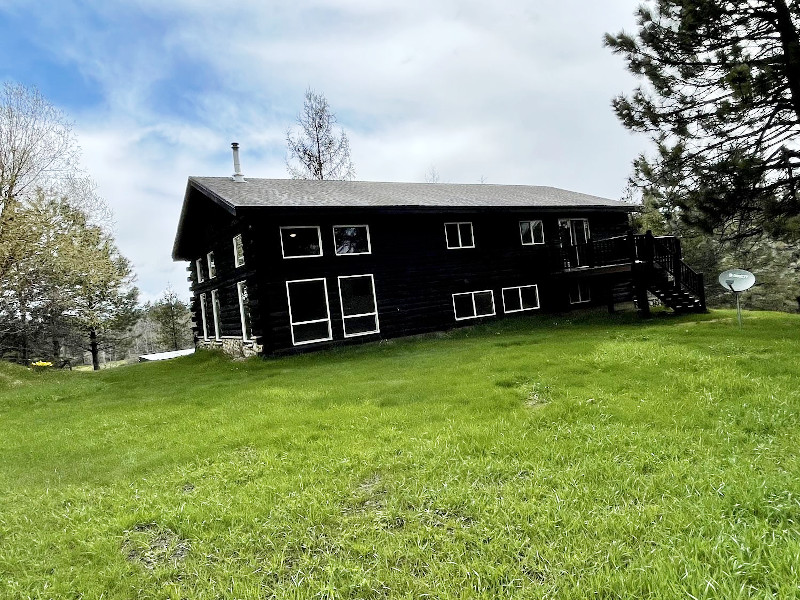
pixel 643 249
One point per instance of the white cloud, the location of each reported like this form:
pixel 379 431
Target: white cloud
pixel 515 92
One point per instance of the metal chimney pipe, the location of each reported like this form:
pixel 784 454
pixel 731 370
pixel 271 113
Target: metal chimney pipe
pixel 237 169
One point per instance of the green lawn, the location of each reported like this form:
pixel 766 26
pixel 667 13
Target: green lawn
pixel 580 456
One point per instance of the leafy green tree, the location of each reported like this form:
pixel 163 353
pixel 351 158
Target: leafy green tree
pixel 721 101
pixel 172 318
pixel 317 151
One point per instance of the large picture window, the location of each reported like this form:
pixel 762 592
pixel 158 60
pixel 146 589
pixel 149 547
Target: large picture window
pixel 531 233
pixel 215 309
pixel 298 242
pixel 238 251
pixel 309 314
pixel 517 299
pixel 471 305
pixel 359 307
pixel 351 239
pixel 244 311
pixel 459 235
pixel 203 317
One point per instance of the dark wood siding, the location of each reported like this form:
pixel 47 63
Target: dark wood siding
pixel 415 274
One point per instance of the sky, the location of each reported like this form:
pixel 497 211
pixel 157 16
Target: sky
pixel 513 92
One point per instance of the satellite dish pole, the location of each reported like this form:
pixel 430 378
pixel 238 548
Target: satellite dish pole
pixel 737 281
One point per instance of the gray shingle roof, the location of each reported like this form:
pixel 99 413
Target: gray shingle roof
pixel 312 193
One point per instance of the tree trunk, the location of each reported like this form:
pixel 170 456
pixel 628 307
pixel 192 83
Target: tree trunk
pixel 790 41
pixel 93 349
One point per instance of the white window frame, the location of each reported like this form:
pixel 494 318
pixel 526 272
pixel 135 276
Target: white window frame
pixel 458 228
pixel 474 307
pixel 199 266
pixel 238 245
pixel 519 289
pixel 530 224
pixel 203 317
pixel 369 241
pixel 327 307
pixel 215 311
pixel 212 265
pixel 242 308
pixel 582 300
pixel 319 238
pixel 369 314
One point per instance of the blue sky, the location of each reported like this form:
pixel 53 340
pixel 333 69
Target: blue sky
pixel 514 92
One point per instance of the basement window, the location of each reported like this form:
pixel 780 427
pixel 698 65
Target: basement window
pixel 459 235
pixel 531 233
pixel 301 241
pixel 199 265
pixel 244 311
pixel 359 307
pixel 204 319
pixel 212 267
pixel 471 305
pixel 580 292
pixel 351 239
pixel 216 311
pixel 517 299
pixel 309 313
pixel 238 251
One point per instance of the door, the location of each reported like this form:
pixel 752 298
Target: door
pixel 574 237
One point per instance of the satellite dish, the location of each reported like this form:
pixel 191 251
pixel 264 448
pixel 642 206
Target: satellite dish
pixel 736 280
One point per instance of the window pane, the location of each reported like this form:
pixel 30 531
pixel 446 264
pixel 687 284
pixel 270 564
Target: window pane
pixel 451 229
pixel 463 306
pixel 357 297
pixel 300 241
pixel 525 232
pixel 530 297
pixel 212 268
pixel 484 304
pixel 511 300
pixel 466 234
pixel 351 240
pixel 244 308
pixel 537 232
pixel 238 250
pixel 310 332
pixel 308 302
pixel 215 309
pixel 199 264
pixel 356 325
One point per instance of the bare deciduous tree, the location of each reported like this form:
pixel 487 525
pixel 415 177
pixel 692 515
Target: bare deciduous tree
pixel 318 151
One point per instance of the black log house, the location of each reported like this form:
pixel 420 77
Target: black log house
pixel 280 265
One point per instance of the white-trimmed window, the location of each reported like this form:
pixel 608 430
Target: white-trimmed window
pixel 351 239
pixel 215 310
pixel 301 241
pixel 517 299
pixel 212 267
pixel 531 233
pixel 203 318
pixel 244 311
pixel 309 313
pixel 359 307
pixel 580 292
pixel 238 251
pixel 471 305
pixel 199 265
pixel 459 235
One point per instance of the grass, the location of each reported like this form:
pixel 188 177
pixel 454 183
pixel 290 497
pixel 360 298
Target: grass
pixel 545 457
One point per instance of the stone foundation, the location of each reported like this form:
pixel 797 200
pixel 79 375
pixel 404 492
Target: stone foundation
pixel 234 348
